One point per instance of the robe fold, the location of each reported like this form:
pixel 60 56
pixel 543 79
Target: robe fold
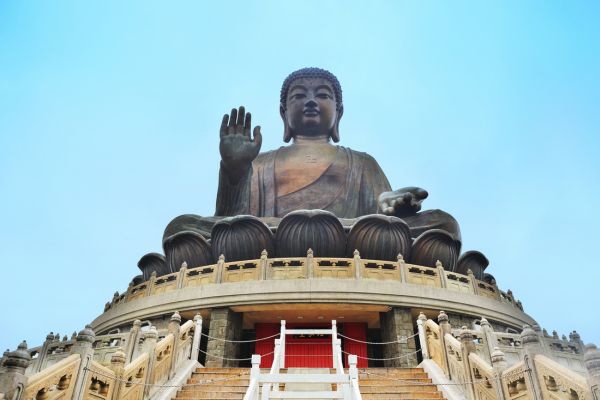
pixel 349 188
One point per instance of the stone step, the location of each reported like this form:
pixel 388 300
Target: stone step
pixel 212 388
pixel 401 396
pixel 401 382
pixel 212 395
pixel 375 383
pixel 396 388
pixel 233 382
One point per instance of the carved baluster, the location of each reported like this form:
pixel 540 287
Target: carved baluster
pixel 13 379
pixel 592 363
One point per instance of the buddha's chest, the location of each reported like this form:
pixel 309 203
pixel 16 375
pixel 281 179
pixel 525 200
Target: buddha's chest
pixel 297 168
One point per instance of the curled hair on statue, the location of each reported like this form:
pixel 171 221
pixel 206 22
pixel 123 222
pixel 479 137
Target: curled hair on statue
pixel 313 73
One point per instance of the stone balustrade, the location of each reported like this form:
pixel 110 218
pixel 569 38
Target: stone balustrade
pixel 539 372
pixel 79 375
pixel 311 267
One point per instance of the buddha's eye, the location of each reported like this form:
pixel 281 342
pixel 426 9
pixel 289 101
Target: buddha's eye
pixel 297 96
pixel 323 95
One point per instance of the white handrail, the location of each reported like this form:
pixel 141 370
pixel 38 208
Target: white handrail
pixel 252 392
pixel 347 384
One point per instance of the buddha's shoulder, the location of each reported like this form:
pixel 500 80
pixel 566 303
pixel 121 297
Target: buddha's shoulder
pixel 266 156
pixel 359 156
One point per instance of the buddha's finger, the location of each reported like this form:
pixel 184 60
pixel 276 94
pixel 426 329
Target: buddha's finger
pixel 247 124
pixel 257 136
pixel 239 125
pixel 421 194
pixel 241 116
pixel 224 122
pixel 232 119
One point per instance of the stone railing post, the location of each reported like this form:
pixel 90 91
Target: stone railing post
pixel 591 358
pixel 117 365
pixel 499 364
pixel 264 265
pixel 174 325
pixel 576 339
pixel 151 284
pixel 41 359
pixel 13 379
pixel 220 267
pixel 403 269
pixel 148 347
pixel 132 340
pixel 422 336
pixel 531 347
pixel 357 264
pixel 444 329
pixel 197 337
pixel 490 338
pixel 467 347
pixel 473 281
pixel 84 347
pixel 441 273
pixel 310 264
pixel 181 275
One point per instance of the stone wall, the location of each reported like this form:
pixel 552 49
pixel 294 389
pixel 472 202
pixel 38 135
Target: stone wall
pixel 225 325
pixel 396 324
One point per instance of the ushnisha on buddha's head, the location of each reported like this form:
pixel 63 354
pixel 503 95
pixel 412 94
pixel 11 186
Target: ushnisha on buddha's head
pixel 311 104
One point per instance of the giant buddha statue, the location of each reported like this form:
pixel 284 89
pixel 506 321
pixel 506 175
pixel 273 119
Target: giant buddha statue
pixel 311 193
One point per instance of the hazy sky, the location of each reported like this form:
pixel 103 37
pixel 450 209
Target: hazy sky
pixel 110 112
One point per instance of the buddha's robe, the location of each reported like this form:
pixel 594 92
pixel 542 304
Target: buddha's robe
pixel 348 187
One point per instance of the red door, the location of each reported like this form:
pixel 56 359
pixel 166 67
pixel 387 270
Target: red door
pixel 358 332
pixel 265 346
pixel 303 351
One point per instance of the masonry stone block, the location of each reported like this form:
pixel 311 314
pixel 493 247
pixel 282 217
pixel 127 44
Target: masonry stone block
pixel 397 324
pixel 225 325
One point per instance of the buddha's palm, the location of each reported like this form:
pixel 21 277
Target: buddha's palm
pixel 402 202
pixel 237 148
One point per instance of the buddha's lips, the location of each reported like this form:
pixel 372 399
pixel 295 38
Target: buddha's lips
pixel 311 113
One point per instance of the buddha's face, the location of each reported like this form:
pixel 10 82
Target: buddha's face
pixel 311 107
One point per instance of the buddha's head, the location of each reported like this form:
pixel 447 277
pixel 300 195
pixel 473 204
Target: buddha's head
pixel 311 104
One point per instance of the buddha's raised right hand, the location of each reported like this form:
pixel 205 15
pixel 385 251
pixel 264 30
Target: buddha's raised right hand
pixel 237 148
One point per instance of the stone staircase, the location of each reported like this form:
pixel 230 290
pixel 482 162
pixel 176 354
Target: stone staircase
pixel 396 383
pixel 375 383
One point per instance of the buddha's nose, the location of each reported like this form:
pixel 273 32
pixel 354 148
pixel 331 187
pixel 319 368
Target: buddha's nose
pixel 310 103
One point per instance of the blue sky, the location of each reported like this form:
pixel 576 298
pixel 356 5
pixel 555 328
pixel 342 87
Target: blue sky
pixel 109 117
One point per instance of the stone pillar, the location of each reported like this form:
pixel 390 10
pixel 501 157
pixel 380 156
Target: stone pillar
pixel 445 328
pixel 132 340
pixel 225 325
pixel 591 358
pixel 197 337
pixel 531 347
pixel 83 346
pixel 39 362
pixel 13 379
pixel 150 338
pixel 397 326
pixel 490 338
pixel 499 364
pixel 174 325
pixel 117 365
pixel 467 346
pixel 576 339
pixel 422 335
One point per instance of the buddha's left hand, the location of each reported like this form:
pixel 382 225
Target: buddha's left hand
pixel 402 202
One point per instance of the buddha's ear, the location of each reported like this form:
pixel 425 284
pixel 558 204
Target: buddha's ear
pixel 335 132
pixel 287 135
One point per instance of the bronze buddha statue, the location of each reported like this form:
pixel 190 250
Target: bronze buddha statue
pixel 258 189
pixel 311 173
